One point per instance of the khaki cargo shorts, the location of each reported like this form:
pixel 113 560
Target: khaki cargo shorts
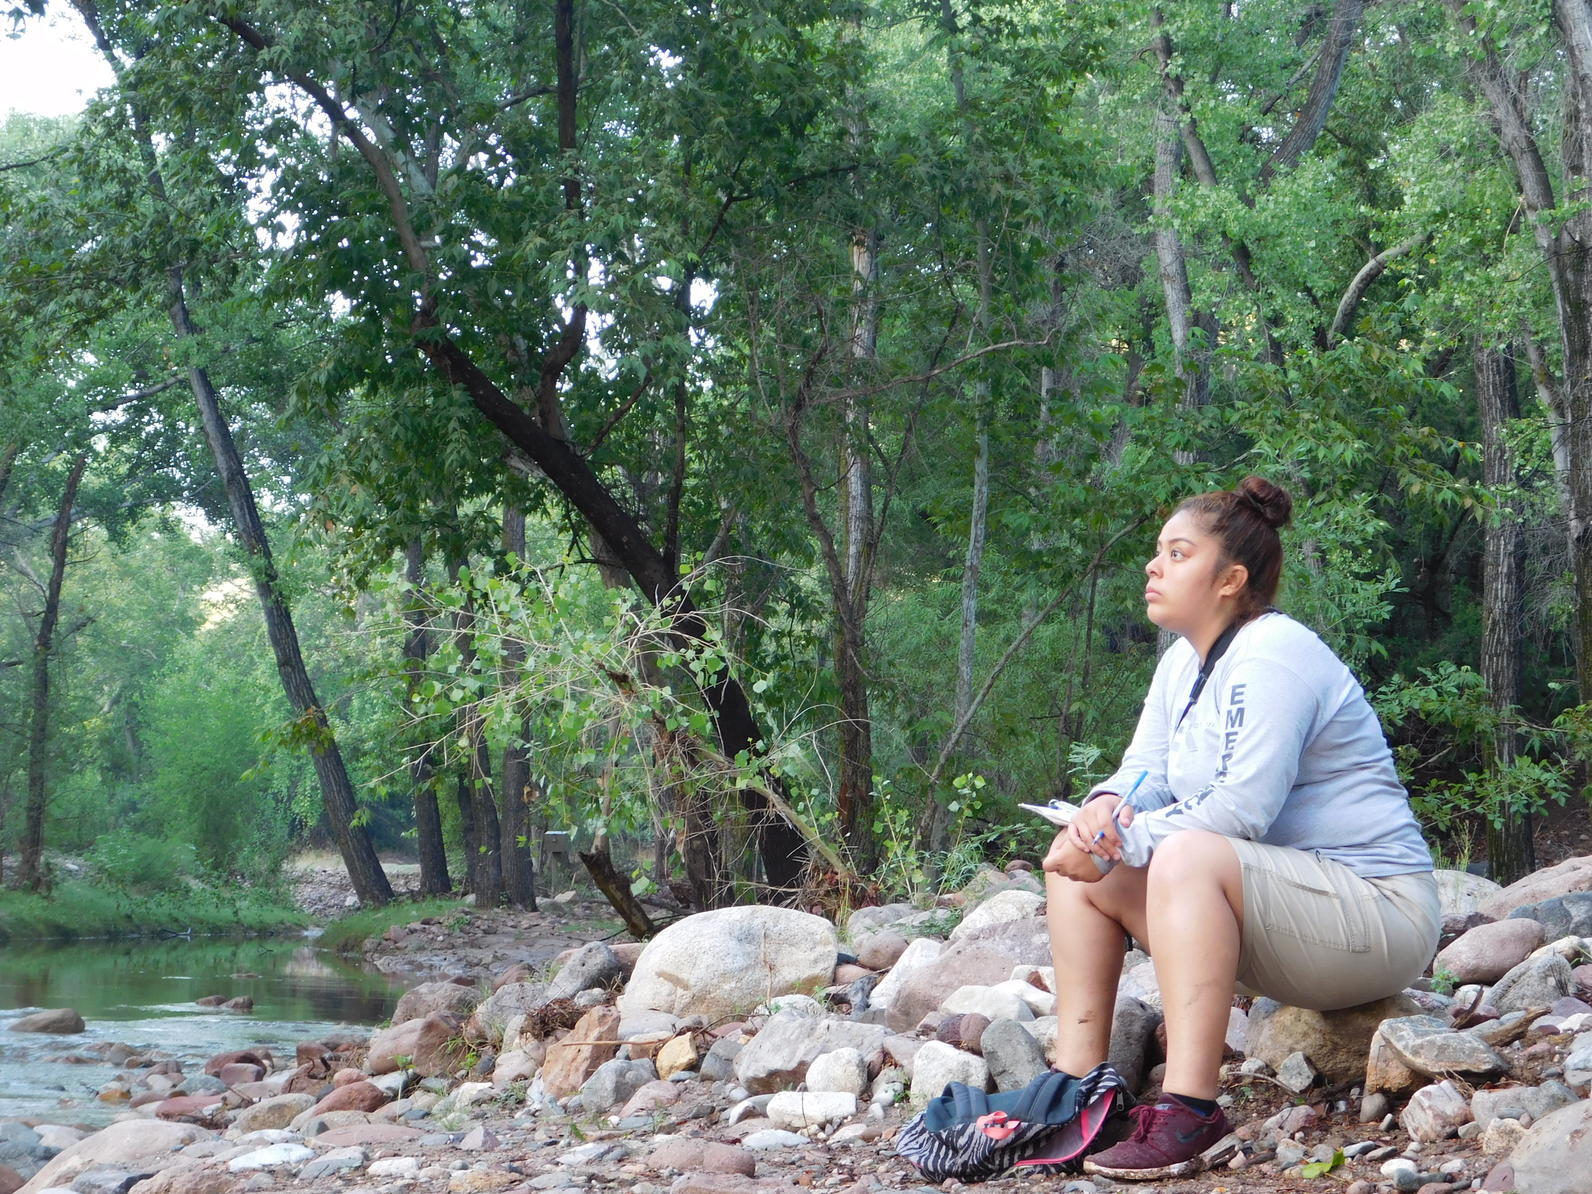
pixel 1319 936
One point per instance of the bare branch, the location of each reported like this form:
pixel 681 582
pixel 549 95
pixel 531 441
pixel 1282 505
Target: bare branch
pixel 1369 272
pixel 100 408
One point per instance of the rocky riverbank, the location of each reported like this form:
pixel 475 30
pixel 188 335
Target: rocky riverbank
pixel 765 1050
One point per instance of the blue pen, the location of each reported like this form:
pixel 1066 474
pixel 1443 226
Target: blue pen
pixel 1143 775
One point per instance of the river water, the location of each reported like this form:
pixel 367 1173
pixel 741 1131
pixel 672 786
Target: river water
pixel 141 993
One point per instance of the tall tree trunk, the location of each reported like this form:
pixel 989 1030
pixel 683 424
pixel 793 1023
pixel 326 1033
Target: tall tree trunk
pixel 519 874
pixel 31 862
pixel 1503 558
pixel 1172 264
pixel 973 561
pixel 854 799
pixel 483 837
pixel 8 458
pixel 1566 247
pixel 1573 245
pixel 337 792
pixel 429 845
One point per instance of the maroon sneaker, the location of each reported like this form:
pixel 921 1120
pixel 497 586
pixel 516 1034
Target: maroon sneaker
pixel 1166 1141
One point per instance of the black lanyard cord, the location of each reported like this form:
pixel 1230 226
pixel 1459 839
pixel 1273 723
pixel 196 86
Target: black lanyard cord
pixel 1218 649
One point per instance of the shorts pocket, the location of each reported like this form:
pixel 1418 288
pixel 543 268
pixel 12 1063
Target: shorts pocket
pixel 1311 904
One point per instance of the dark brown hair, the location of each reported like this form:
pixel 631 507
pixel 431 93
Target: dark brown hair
pixel 1245 521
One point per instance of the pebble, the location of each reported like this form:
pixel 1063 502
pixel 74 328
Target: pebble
pixel 1289 1154
pixel 773 1138
pixel 270 1157
pixel 394 1167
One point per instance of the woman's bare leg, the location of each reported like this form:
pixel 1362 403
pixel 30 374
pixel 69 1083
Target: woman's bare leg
pixel 1195 911
pixel 1087 922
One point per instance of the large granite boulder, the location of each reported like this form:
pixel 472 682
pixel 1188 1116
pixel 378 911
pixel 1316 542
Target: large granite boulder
pixel 142 1144
pixel 61 1020
pixel 419 1002
pixel 1335 1042
pixel 983 958
pixel 1573 874
pixel 938 1064
pixel 1460 894
pixel 594 965
pixel 1432 1047
pixel 432 1046
pixel 1133 1025
pixel 1555 1155
pixel 1560 916
pixel 778 1056
pixel 728 961
pixel 920 953
pixel 1489 951
pixel 1537 982
pixel 872 919
pixel 491 1016
pixel 1009 905
pixel 571 1061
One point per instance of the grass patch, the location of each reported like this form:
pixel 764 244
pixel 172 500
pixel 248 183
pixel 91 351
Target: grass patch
pixel 76 908
pixel 348 934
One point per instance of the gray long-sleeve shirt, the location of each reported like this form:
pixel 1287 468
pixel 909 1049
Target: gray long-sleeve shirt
pixel 1281 747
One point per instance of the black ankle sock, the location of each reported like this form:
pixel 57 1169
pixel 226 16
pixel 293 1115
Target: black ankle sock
pixel 1204 1108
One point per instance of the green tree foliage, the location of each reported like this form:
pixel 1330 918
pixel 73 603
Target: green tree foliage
pixel 729 300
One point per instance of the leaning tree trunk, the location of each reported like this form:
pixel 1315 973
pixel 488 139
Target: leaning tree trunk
pixel 31 863
pixel 1503 557
pixel 429 844
pixel 519 874
pixel 337 792
pixel 783 850
pixel 314 728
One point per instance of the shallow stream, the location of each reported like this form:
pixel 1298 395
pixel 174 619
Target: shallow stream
pixel 141 993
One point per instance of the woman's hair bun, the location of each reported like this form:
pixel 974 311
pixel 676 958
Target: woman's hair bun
pixel 1270 501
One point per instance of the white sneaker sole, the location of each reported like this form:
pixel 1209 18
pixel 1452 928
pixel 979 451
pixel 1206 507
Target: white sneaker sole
pixel 1180 1169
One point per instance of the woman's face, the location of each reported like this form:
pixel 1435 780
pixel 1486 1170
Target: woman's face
pixel 1187 591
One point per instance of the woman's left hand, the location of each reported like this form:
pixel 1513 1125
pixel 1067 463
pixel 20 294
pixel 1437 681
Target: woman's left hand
pixel 1066 860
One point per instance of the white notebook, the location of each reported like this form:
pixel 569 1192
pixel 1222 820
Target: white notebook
pixel 1057 812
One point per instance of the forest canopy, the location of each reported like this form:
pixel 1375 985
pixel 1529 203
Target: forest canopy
pixel 732 433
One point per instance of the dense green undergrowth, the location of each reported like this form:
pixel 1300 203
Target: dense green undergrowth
pixel 348 934
pixel 79 909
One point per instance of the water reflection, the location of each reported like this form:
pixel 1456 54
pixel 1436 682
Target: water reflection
pixel 142 993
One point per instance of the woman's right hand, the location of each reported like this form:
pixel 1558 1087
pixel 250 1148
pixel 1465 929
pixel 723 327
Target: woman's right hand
pixel 1093 817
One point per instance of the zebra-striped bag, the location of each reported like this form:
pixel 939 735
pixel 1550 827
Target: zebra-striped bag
pixel 1047 1127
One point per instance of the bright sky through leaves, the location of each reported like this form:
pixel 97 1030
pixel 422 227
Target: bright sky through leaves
pixel 51 69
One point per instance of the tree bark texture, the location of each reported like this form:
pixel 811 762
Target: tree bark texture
pixel 1509 846
pixel 514 794
pixel 8 459
pixel 31 860
pixel 1341 32
pixel 478 815
pixel 697 837
pixel 337 791
pixel 600 866
pixel 1171 263
pixel 1572 264
pixel 434 879
pixel 1566 246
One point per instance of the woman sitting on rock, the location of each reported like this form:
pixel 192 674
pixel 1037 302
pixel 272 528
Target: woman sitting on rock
pixel 1264 835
